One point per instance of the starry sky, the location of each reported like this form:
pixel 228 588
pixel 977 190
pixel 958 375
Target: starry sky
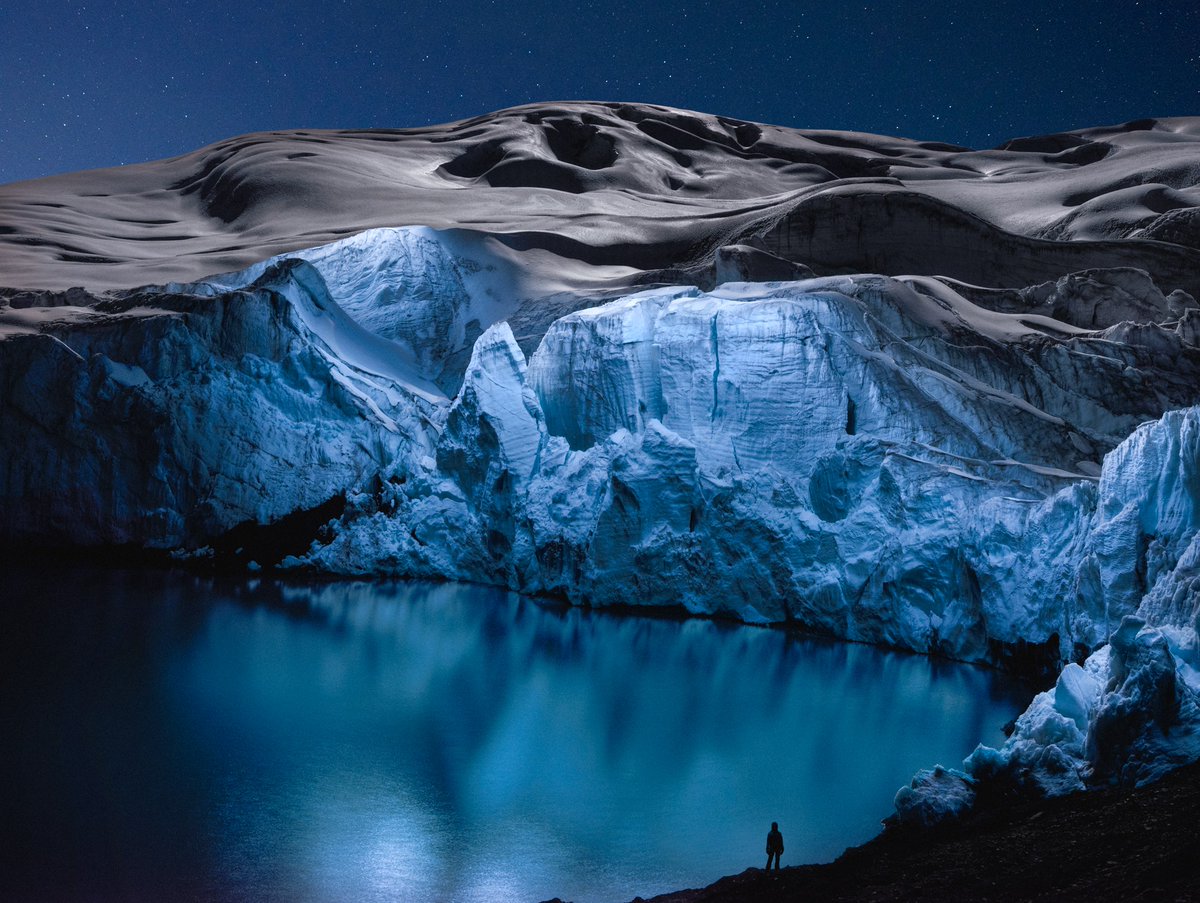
pixel 86 84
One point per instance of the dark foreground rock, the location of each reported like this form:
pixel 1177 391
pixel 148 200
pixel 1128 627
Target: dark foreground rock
pixel 1105 845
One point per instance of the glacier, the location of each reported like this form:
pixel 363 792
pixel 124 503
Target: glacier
pixel 1130 712
pixel 1005 473
pixel 872 457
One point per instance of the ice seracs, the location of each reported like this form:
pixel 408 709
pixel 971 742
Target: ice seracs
pixel 1131 711
pixel 643 451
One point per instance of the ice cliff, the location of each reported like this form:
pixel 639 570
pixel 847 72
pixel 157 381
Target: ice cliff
pixel 166 426
pixel 875 458
pixel 1131 711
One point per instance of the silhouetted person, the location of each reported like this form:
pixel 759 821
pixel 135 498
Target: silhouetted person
pixel 774 846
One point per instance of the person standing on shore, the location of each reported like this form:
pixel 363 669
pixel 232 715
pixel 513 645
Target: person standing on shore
pixel 774 846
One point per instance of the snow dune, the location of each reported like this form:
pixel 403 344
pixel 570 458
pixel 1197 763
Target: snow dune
pixel 618 184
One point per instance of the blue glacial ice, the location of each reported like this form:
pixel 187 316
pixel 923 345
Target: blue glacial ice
pixel 878 459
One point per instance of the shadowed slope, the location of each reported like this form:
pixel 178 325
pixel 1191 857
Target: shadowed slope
pixel 872 228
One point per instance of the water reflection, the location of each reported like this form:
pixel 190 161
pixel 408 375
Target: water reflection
pixel 442 742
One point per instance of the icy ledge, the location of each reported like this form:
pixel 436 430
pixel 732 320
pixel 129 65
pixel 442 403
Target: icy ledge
pixel 1131 712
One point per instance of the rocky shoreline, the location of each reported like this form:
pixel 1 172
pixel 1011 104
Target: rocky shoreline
pixel 1112 844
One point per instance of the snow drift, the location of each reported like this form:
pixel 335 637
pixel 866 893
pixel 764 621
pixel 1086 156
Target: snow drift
pixel 630 185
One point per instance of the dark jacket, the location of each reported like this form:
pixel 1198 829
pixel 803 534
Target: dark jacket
pixel 774 842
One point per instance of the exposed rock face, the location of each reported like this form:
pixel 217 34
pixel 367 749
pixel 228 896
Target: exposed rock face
pixel 743 263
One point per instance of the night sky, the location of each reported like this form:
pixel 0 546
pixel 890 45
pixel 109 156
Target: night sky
pixel 87 84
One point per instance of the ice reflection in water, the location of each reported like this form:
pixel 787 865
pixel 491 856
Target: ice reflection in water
pixel 446 742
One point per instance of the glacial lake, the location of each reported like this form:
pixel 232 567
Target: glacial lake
pixel 169 736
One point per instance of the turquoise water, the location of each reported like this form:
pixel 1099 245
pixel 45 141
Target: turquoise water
pixel 176 737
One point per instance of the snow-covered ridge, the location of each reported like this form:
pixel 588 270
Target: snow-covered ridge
pixel 631 185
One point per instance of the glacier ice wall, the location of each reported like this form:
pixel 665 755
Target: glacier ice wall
pixel 821 453
pixel 1131 711
pixel 1001 477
